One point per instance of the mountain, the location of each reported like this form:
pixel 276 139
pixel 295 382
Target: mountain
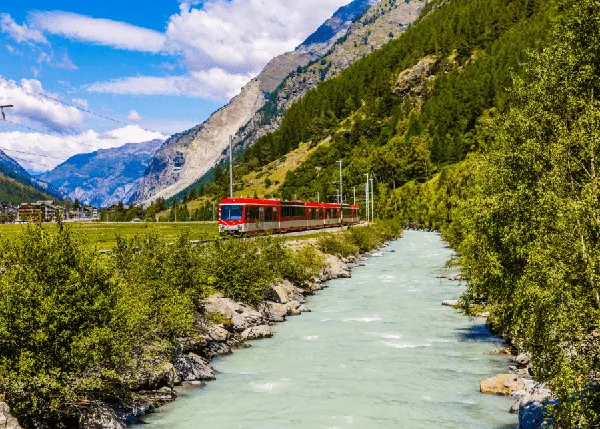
pixel 187 157
pixel 19 186
pixel 104 177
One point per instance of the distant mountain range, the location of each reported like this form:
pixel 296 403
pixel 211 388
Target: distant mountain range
pixel 104 177
pixel 343 39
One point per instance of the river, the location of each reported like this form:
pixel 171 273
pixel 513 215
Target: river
pixel 378 351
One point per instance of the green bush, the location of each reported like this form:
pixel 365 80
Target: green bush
pixel 337 244
pixel 302 265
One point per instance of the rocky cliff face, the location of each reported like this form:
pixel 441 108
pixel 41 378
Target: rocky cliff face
pixel 104 177
pixel 354 31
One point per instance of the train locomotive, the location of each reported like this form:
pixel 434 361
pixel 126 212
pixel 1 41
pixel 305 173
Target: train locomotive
pixel 246 216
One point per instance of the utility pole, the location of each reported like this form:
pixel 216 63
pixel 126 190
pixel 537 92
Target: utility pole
pixel 354 189
pixel 318 197
pixel 2 109
pixel 372 202
pixel 367 199
pixel 213 211
pixel 230 166
pixel 341 194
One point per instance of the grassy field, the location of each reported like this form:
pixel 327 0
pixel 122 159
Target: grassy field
pixel 103 236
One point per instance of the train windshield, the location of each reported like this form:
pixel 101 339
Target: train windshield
pixel 231 212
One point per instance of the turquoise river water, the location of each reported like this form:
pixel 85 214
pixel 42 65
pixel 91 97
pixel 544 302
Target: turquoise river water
pixel 378 351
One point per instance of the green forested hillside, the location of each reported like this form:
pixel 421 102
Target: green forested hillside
pixel 492 138
pixel 14 192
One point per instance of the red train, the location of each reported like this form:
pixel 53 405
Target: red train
pixel 252 216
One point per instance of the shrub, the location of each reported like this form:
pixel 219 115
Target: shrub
pixel 302 265
pixel 337 244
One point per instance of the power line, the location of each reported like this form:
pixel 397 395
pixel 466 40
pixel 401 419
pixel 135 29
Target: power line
pixel 73 105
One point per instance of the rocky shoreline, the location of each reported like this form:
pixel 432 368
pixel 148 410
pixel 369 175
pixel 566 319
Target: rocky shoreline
pixel 224 326
pixel 530 397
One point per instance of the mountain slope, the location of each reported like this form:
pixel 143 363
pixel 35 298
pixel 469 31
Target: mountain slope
pixel 104 177
pixel 187 157
pixel 31 189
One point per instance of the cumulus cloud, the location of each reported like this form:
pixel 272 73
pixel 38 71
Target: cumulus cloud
pixel 214 83
pixel 30 106
pixel 20 33
pixel 134 116
pixel 98 31
pixel 40 152
pixel 223 43
pixel 243 35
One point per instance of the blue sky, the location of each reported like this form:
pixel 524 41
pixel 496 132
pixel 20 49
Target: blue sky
pixel 160 66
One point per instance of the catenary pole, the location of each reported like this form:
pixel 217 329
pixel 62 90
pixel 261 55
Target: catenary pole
pixel 230 166
pixel 367 197
pixel 372 202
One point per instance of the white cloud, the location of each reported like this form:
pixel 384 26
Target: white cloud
pixel 10 49
pixel 99 31
pixel 214 83
pixel 33 107
pixel 51 151
pixel 243 35
pixel 81 102
pixel 20 33
pixel 134 116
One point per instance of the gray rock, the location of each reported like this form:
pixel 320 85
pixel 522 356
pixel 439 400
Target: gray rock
pixel 7 421
pixel 99 416
pixel 192 367
pixel 216 348
pixel 410 80
pixel 451 303
pixel 242 316
pixel 523 359
pixel 273 311
pixel 456 277
pixel 257 332
pixel 215 332
pixel 160 375
pixel 530 406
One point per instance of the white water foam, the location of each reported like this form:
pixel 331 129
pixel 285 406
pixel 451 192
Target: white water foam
pixel 397 345
pixel 265 387
pixel 310 337
pixel 387 336
pixel 364 319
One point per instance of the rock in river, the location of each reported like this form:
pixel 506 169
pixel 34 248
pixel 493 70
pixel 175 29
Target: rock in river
pixel 257 332
pixel 100 416
pixel 503 384
pixel 192 367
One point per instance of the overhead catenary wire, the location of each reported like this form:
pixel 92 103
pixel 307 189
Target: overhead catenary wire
pixel 90 112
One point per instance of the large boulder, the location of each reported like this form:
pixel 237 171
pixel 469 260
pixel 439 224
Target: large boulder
pixel 192 367
pixel 98 416
pixel 284 292
pixel 157 376
pixel 242 316
pixel 503 384
pixel 7 421
pixel 335 269
pixel 257 333
pixel 273 311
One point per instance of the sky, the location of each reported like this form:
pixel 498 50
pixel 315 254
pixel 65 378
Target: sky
pixel 154 67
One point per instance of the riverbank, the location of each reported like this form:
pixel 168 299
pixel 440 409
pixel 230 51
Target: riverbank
pixel 147 317
pixel 228 325
pixel 376 351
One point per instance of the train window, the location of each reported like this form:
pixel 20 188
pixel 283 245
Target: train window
pixel 348 212
pixel 270 214
pixel 231 212
pixel 298 212
pixel 253 213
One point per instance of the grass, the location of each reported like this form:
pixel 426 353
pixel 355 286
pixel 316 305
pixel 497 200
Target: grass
pixel 275 171
pixel 103 236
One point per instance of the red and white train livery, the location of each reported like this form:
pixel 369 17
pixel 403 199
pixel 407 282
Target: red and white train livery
pixel 252 216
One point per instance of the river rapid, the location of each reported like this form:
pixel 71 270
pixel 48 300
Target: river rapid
pixel 378 351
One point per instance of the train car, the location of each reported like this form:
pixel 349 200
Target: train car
pixel 243 216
